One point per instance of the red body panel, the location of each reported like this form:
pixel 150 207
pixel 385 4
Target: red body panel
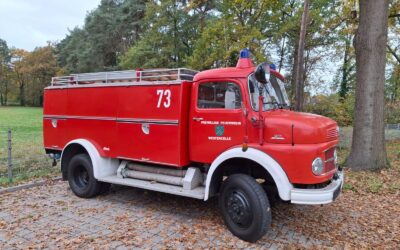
pixel 55 138
pixel 205 144
pixel 161 123
pixel 91 115
pixel 112 119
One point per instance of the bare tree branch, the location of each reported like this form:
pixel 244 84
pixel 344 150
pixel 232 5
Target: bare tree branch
pixel 393 52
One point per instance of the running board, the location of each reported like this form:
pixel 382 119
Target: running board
pixel 197 192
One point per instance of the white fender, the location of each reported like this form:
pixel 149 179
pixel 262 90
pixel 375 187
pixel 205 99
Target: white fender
pixel 102 166
pixel 266 161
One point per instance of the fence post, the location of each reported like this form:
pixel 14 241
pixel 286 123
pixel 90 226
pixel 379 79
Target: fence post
pixel 10 166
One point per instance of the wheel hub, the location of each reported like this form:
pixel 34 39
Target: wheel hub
pixel 81 177
pixel 239 209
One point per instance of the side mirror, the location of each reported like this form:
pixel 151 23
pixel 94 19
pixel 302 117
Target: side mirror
pixel 262 73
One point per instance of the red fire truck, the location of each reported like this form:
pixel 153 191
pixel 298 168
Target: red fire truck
pixel 228 132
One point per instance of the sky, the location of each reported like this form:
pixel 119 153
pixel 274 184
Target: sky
pixel 26 24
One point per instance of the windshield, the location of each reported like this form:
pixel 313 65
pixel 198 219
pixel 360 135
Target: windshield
pixel 274 93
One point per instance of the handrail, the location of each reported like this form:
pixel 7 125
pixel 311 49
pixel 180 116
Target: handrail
pixel 126 75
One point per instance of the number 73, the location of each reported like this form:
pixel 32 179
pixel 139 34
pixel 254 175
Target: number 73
pixel 166 95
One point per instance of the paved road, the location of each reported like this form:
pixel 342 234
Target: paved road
pixel 51 216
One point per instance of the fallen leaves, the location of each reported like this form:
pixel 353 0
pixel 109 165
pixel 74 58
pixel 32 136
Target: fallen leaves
pixel 366 215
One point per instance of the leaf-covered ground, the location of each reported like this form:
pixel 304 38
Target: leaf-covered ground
pixel 386 181
pixel 51 216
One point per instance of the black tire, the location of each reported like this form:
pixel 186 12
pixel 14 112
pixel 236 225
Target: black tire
pixel 245 207
pixel 81 178
pixel 272 193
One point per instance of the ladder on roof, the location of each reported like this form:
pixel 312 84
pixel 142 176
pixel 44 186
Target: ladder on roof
pixel 159 75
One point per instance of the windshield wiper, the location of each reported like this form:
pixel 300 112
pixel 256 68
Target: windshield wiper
pixel 275 103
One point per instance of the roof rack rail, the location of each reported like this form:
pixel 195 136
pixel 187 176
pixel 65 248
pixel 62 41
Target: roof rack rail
pixel 159 75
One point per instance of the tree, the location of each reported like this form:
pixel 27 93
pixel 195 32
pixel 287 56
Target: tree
pixel 393 85
pixel 19 69
pixel 37 68
pixel 325 20
pixel 299 63
pixel 4 72
pixel 368 147
pixel 172 28
pixel 109 31
pixel 344 46
pixel 236 25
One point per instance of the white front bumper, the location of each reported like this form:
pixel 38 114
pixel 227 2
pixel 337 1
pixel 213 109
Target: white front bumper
pixel 318 196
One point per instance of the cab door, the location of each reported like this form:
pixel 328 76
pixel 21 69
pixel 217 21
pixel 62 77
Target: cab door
pixel 216 119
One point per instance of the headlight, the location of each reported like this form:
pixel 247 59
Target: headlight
pixel 317 166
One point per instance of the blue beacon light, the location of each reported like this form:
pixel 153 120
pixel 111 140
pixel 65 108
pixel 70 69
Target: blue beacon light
pixel 244 60
pixel 244 53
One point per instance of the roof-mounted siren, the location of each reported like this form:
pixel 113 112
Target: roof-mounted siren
pixel 244 59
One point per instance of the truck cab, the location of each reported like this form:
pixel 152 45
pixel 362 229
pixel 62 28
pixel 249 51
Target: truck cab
pixel 227 132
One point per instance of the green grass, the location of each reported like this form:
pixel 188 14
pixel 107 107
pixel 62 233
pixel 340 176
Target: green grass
pixel 29 159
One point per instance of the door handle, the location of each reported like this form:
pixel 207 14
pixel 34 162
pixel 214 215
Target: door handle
pixel 197 118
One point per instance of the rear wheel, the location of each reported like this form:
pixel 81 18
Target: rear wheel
pixel 81 178
pixel 245 207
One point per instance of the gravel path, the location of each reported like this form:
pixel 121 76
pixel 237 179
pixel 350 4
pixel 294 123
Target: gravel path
pixel 51 216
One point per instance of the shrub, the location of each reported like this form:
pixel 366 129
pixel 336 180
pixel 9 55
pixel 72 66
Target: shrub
pixel 392 114
pixel 330 106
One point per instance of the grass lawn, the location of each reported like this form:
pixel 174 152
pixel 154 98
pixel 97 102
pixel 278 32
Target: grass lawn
pixel 29 159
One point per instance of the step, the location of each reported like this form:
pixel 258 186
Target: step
pixel 197 193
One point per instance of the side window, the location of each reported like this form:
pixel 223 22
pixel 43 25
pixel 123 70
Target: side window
pixel 221 95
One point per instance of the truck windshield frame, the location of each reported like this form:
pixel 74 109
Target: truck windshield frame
pixel 274 93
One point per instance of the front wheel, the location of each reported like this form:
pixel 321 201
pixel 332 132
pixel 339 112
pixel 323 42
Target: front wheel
pixel 81 178
pixel 245 207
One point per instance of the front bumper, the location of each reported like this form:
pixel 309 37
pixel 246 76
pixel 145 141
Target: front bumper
pixel 318 196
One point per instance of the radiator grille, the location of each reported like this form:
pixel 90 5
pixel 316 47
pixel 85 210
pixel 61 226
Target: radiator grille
pixel 330 160
pixel 332 134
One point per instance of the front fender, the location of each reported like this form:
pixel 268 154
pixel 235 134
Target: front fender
pixel 267 162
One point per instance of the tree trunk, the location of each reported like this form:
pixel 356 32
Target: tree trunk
pixel 293 78
pixel 22 94
pixel 368 149
pixel 6 93
pixel 299 66
pixel 344 85
pixel 282 54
